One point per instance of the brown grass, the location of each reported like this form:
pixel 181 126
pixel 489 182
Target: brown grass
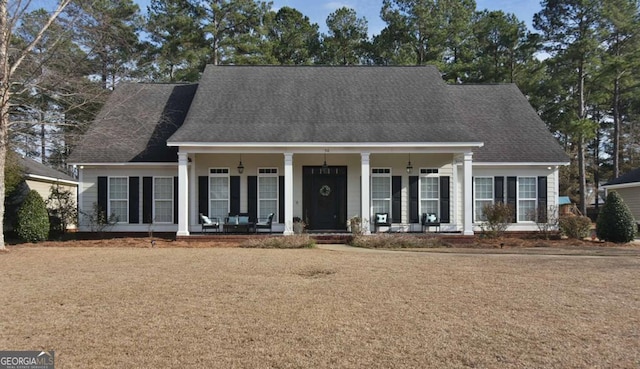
pixel 314 308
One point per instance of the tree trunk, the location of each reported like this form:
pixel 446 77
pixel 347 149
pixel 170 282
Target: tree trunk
pixel 581 164
pixel 616 127
pixel 4 105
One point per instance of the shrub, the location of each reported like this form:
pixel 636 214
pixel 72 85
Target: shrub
pixel 615 222
pixel 385 240
pixel 62 206
pixel 33 219
pixel 577 227
pixel 98 220
pixel 498 217
pixel 297 241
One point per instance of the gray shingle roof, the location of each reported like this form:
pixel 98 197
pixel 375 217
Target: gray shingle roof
pixel 135 123
pixel 630 177
pixel 501 117
pixel 30 166
pixel 274 104
pixel 321 104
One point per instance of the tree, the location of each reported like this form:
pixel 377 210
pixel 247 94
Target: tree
pixel 176 50
pixel 569 30
pixel 438 32
pixel 346 42
pixel 619 26
pixel 108 29
pixel 615 222
pixel 294 40
pixel 502 47
pixel 11 62
pixel 234 29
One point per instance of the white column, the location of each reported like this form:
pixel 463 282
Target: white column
pixel 193 205
pixel 468 194
pixel 288 193
pixel 183 194
pixel 365 211
pixel 455 216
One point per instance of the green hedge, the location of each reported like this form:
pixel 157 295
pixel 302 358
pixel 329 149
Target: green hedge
pixel 33 219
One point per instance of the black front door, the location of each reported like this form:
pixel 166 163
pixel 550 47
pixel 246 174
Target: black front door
pixel 325 197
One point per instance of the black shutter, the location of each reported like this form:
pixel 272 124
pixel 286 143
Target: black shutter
pixel 396 199
pixel 281 199
pixel 445 195
pixel 413 200
pixel 498 189
pixel 542 199
pixel 134 200
pixel 147 200
pixel 175 200
pixel 203 195
pixel 252 197
pixel 235 195
pixel 512 196
pixel 102 195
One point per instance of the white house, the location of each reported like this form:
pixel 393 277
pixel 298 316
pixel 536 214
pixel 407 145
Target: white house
pixel 628 187
pixel 318 143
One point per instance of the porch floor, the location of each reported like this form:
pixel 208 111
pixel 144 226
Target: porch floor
pixel 324 237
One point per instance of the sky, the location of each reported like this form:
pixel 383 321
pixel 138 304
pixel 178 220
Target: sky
pixel 317 11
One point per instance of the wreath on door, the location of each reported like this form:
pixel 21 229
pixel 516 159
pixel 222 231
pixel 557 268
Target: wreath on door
pixel 325 190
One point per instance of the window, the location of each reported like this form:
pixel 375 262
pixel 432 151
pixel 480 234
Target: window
pixel 163 200
pixel 119 198
pixel 381 190
pixel 430 191
pixel 267 192
pixel 483 195
pixel 219 192
pixel 527 195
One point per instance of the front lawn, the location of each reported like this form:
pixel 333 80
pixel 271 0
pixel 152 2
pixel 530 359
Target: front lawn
pixel 314 308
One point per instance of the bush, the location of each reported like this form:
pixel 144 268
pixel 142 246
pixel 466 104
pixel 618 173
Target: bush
pixel 615 222
pixel 62 206
pixel 33 219
pixel 385 240
pixel 498 217
pixel 298 241
pixel 577 227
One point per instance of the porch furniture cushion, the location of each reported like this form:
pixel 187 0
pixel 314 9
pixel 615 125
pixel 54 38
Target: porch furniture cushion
pixel 238 223
pixel 381 220
pixel 265 224
pixel 209 223
pixel 430 220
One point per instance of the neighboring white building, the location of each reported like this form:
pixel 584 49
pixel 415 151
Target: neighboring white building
pixel 628 186
pixel 318 143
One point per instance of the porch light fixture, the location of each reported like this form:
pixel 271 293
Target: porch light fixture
pixel 409 166
pixel 240 166
pixel 325 167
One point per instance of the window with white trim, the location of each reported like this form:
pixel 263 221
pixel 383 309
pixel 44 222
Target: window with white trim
pixel 483 195
pixel 430 191
pixel 267 192
pixel 527 198
pixel 219 192
pixel 119 198
pixel 163 199
pixel 381 190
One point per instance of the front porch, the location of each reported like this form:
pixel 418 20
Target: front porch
pixel 324 187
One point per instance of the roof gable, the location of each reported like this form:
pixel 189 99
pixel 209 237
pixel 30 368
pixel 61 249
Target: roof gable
pixel 135 123
pixel 321 104
pixel 500 116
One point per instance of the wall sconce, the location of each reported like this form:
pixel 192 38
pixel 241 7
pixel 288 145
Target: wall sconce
pixel 409 166
pixel 240 166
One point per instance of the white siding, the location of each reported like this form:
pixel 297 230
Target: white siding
pixel 88 193
pixel 631 197
pixel 44 190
